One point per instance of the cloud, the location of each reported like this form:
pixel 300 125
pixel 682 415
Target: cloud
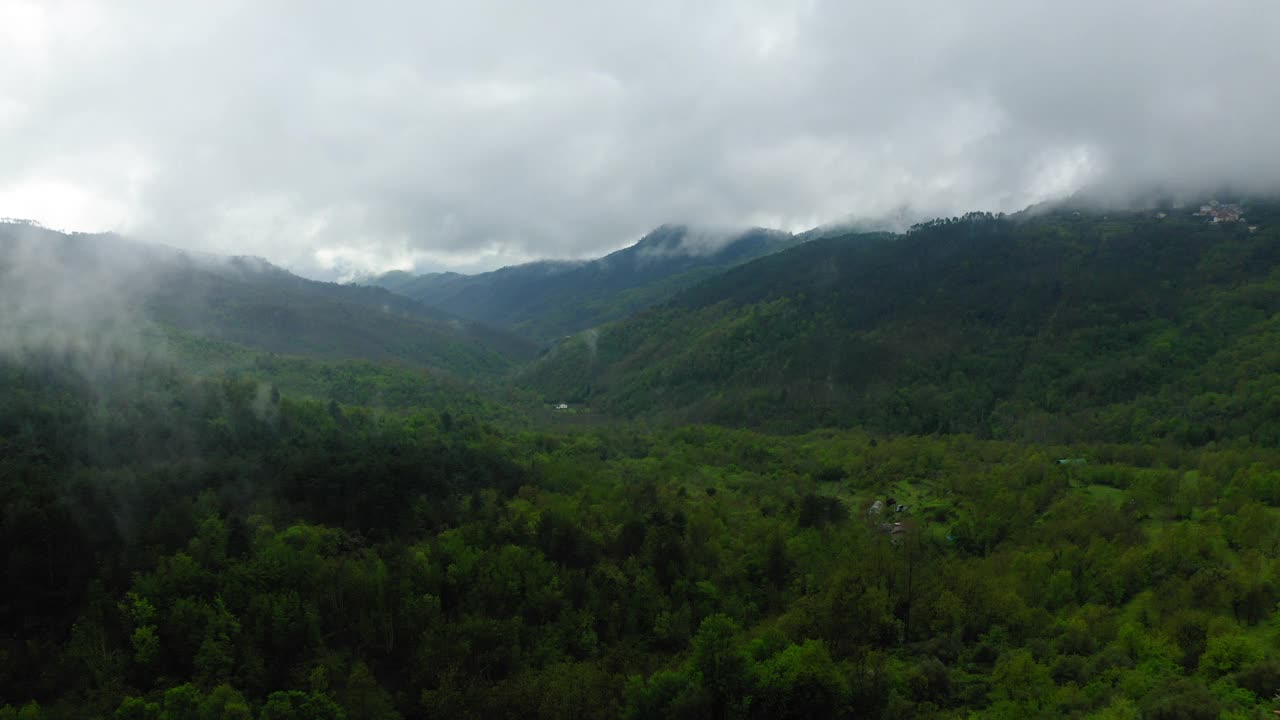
pixel 91 323
pixel 339 137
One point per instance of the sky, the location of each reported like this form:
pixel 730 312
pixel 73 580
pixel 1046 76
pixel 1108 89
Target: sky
pixel 337 139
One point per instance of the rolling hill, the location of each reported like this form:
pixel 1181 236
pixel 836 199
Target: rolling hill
pixel 1057 325
pixel 547 300
pixel 69 290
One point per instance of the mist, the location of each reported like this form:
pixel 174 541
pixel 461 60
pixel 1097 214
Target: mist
pixel 339 140
pixel 72 297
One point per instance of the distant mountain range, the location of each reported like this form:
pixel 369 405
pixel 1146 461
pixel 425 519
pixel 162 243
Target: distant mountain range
pixel 1059 322
pixel 62 289
pixel 546 300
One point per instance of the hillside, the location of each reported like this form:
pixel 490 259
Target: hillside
pixel 84 288
pixel 1059 325
pixel 547 300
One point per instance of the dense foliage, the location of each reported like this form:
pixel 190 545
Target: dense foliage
pixel 384 385
pixel 1057 326
pixel 545 301
pixel 182 548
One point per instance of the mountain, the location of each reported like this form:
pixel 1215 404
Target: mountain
pixel 362 542
pixel 547 300
pixel 1056 325
pixel 75 289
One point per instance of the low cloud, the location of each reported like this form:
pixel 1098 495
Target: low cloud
pixel 340 138
pixel 71 297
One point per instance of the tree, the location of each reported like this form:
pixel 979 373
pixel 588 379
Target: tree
pixel 721 666
pixel 136 708
pixel 667 694
pixel 298 705
pixel 799 682
pixel 1017 677
pixel 225 703
pixel 1182 699
pixel 181 703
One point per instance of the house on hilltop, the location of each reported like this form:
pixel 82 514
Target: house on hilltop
pixel 1217 212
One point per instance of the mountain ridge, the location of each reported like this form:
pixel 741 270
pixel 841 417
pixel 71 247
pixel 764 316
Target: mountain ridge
pixel 1059 325
pixel 549 299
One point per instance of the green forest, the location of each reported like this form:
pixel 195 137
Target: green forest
pixel 1042 327
pixel 994 467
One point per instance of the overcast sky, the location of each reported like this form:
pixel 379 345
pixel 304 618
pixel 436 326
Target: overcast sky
pixel 357 136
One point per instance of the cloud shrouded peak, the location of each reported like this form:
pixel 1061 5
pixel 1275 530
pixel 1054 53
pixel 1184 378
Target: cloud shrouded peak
pixel 336 138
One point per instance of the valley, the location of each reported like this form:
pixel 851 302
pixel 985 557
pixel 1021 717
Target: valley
pixel 230 492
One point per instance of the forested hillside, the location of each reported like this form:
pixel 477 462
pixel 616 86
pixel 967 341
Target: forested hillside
pixel 1000 467
pixel 544 301
pixel 101 284
pixel 1061 325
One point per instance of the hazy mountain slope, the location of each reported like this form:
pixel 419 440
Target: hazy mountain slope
pixel 546 300
pixel 1061 325
pixel 69 288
